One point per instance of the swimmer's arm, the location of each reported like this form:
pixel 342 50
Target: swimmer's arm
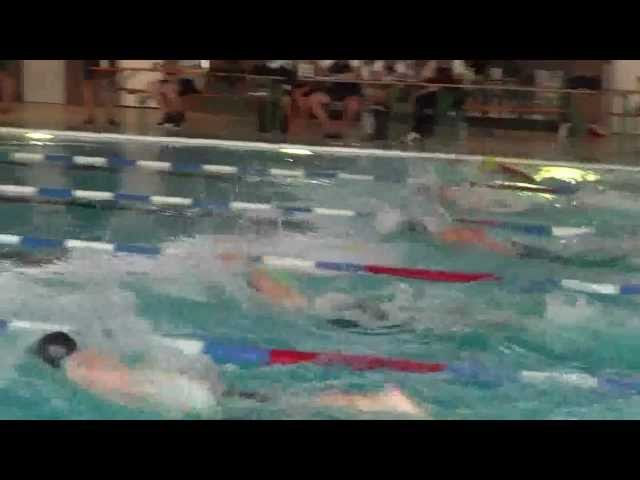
pixel 474 236
pixel 275 291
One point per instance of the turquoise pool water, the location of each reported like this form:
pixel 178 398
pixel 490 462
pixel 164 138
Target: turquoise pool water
pixel 504 326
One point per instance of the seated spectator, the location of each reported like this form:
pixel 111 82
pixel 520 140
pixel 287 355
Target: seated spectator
pixel 348 94
pixel 170 91
pixel 7 85
pixel 303 88
pixel 426 99
pixel 97 84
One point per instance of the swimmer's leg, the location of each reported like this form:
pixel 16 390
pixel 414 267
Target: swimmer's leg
pixel 536 253
pixel 245 395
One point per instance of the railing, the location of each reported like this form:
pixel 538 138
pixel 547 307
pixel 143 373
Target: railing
pixel 489 105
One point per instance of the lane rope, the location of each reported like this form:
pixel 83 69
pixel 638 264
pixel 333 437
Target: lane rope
pixel 123 199
pixel 224 351
pixel 296 264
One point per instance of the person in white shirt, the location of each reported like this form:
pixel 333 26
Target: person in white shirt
pixel 348 94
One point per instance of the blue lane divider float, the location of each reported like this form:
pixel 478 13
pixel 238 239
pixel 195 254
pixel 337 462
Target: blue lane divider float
pixel 117 163
pixel 310 266
pixel 40 243
pixel 295 264
pixel 225 351
pixel 124 199
pixel 66 195
pixel 530 228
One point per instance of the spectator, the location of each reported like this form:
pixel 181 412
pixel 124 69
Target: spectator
pixel 377 101
pixel 277 68
pixel 303 88
pixel 98 84
pixel 426 100
pixel 170 91
pixel 348 94
pixel 8 86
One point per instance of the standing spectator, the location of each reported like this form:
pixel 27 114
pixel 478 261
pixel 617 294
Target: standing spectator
pixel 8 86
pixel 377 101
pixel 426 99
pixel 175 85
pixel 98 84
pixel 424 104
pixel 277 68
pixel 348 94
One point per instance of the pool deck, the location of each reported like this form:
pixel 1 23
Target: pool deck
pixel 241 126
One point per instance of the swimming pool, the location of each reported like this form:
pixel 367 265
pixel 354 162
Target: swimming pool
pixel 488 330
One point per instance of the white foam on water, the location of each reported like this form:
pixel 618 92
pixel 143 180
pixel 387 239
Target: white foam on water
pixel 589 196
pixel 389 220
pixel 492 200
pixel 191 267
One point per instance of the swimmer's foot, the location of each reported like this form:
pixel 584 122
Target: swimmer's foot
pixel 392 399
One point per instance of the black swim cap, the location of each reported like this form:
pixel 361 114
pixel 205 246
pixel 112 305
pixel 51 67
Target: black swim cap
pixel 54 347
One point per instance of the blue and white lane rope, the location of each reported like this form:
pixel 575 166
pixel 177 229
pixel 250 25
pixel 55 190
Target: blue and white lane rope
pixel 530 228
pixel 66 195
pixel 295 264
pixel 310 266
pixel 223 351
pixel 70 196
pixel 117 163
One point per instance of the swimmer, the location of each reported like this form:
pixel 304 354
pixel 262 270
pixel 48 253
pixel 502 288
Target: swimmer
pixel 441 228
pixel 277 288
pixel 111 379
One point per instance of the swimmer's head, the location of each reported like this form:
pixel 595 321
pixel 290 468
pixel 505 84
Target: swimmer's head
pixel 54 347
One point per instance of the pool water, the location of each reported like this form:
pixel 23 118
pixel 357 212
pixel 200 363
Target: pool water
pixel 504 326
